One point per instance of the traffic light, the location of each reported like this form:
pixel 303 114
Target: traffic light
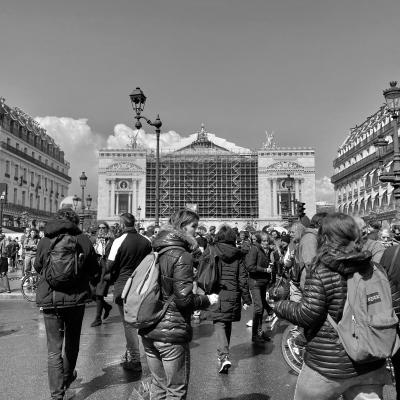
pixel 301 209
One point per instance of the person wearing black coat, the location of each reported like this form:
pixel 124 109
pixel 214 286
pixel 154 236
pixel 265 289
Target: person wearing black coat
pixel 102 246
pixel 257 263
pixel 167 343
pixel 63 310
pixel 232 289
pixel 328 371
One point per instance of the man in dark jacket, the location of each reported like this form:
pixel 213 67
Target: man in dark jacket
pixel 63 310
pixel 127 252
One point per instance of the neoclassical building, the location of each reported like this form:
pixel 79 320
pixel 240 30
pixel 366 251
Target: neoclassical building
pixel 32 167
pixel 358 190
pixel 221 181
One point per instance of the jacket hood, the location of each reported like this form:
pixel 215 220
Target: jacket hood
pixel 169 236
pixel 313 231
pixel 58 226
pixel 227 252
pixel 346 263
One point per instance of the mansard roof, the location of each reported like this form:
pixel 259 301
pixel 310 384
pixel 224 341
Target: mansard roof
pixel 366 128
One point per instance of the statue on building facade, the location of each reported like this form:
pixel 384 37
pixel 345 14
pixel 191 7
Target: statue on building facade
pixel 270 143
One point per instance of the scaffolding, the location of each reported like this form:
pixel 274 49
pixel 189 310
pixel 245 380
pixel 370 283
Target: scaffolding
pixel 222 185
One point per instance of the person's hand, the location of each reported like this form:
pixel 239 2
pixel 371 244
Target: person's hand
pixel 213 298
pixel 269 269
pixel 245 306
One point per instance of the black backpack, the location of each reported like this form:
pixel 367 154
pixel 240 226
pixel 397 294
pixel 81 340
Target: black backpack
pixel 63 263
pixel 208 270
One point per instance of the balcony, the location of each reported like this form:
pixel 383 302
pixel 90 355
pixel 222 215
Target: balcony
pixel 354 168
pixel 10 207
pixel 32 160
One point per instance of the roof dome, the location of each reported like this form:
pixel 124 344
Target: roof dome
pixel 67 202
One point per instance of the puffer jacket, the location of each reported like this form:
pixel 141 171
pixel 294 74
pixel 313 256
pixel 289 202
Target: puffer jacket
pixel 232 284
pixel 46 297
pixel 176 268
pixel 325 292
pixel 256 261
pixel 393 275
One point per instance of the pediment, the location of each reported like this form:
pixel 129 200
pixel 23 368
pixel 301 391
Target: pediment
pixel 124 166
pixel 285 165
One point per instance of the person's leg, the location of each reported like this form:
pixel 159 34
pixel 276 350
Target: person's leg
pixel 313 386
pixel 158 390
pixel 6 282
pixel 55 335
pixel 364 392
pixel 396 367
pixel 257 310
pixel 99 311
pixel 176 363
pixel 73 318
pixel 132 343
pixel 25 266
pixel 221 339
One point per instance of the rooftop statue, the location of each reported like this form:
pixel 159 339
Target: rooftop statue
pixel 270 143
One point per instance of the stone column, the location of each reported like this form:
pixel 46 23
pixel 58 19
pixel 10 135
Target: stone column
pixel 112 197
pixel 274 197
pixel 117 204
pixel 297 189
pixel 130 203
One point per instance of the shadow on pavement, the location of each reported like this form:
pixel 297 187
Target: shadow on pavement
pixel 113 375
pixel 243 351
pixel 251 396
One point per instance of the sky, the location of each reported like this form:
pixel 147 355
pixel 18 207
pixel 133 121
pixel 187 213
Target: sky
pixel 308 70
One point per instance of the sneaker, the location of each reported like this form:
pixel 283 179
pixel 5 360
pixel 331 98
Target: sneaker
pixel 249 323
pixel 262 337
pixel 96 322
pixel 129 364
pixel 270 317
pixel 107 310
pixel 224 365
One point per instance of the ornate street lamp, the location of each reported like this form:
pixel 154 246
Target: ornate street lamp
pixel 75 200
pixel 89 201
pixel 288 183
pixel 83 181
pixel 138 100
pixel 139 209
pixel 392 97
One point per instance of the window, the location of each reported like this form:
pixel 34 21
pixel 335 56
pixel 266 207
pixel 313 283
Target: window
pixel 45 183
pixel 38 202
pixel 16 171
pixel 32 178
pixel 33 154
pixel 23 198
pixel 25 150
pixel 15 196
pixel 17 146
pixel 31 200
pixel 40 158
pixel 8 142
pixel 44 204
pixel 25 172
pixel 8 168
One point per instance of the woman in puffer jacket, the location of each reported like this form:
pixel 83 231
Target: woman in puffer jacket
pixel 328 371
pixel 232 288
pixel 167 343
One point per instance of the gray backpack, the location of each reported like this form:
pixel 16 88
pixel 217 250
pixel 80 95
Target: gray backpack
pixel 368 328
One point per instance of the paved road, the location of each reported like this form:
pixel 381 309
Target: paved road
pixel 258 373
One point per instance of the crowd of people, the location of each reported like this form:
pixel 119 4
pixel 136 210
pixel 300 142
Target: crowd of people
pixel 315 260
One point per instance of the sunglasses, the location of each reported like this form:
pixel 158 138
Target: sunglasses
pixel 102 227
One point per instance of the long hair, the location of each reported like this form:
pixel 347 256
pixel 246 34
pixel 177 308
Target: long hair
pixel 336 232
pixel 183 217
pixel 226 234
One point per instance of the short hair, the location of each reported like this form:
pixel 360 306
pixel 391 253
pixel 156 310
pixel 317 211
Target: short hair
pixel 202 228
pixel 182 218
pixel 226 234
pixel 68 214
pixel 127 219
pixel 317 219
pixel 258 236
pixel 277 233
pixel 212 228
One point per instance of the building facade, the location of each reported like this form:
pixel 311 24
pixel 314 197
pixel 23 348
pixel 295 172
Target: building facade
pixel 222 183
pixel 358 190
pixel 32 166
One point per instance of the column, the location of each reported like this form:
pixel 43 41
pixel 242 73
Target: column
pixel 130 203
pixel 112 181
pixel 297 189
pixel 117 204
pixel 274 197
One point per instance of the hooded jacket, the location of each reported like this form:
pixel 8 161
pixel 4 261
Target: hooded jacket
pixel 325 292
pixel 232 283
pixel 46 297
pixel 176 269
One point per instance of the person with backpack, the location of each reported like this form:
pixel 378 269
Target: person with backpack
pixel 257 264
pixel 127 252
pixel 328 371
pixel 66 262
pixel 231 287
pixel 167 342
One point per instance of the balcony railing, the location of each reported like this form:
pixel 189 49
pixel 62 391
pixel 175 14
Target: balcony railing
pixel 10 207
pixel 31 159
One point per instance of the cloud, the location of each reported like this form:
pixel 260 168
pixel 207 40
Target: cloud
pixel 324 189
pixel 168 140
pixel 80 144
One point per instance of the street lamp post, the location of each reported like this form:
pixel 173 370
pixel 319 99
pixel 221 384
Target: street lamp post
pixel 75 200
pixel 288 183
pixel 2 201
pixel 392 97
pixel 139 209
pixel 82 180
pixel 138 100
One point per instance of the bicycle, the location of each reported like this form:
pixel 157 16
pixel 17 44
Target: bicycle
pixel 29 285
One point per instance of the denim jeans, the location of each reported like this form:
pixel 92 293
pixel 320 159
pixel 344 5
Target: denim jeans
pixel 169 364
pixel 131 336
pixel 313 386
pixel 29 261
pixel 223 332
pixel 63 326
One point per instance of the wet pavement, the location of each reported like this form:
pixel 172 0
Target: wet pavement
pixel 258 373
